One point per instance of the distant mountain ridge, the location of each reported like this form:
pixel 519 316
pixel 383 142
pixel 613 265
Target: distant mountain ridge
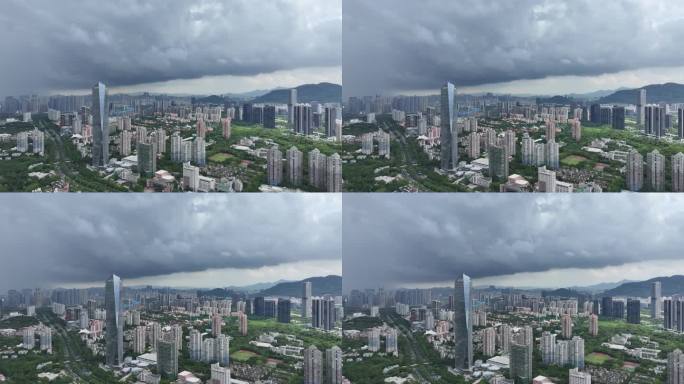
pixel 307 93
pixel 670 286
pixel 321 92
pixel 328 285
pixel 655 93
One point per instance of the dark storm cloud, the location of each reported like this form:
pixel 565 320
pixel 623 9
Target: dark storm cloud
pixel 395 240
pixel 75 239
pixel 392 46
pixel 70 44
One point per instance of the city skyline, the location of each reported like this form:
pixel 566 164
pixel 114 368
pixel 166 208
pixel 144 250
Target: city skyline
pixel 499 48
pixel 204 53
pixel 199 241
pixel 540 242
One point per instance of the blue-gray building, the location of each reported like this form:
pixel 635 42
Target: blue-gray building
pixel 114 323
pixel 463 326
pixel 100 111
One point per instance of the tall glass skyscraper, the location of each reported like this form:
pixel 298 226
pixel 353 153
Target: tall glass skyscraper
pixel 100 111
pixel 114 324
pixel 448 135
pixel 463 326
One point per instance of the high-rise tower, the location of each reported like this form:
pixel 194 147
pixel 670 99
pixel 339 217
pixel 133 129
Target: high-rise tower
pixel 114 331
pixel 100 110
pixel 463 327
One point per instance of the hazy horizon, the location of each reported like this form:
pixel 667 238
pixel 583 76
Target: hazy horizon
pixel 176 239
pixel 546 47
pixel 214 45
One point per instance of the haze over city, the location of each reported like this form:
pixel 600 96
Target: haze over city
pixel 543 242
pixel 129 45
pixel 531 47
pixel 181 241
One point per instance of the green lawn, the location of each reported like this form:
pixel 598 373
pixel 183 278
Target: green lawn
pixel 220 157
pixel 242 355
pixel 573 160
pixel 596 358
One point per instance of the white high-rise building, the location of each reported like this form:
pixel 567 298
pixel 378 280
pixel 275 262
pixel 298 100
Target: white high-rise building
pixel 216 323
pixel 641 105
pixel 176 147
pixel 195 345
pixel 38 138
pixel 306 299
pixel 391 346
pixel 374 339
pixel 577 377
pixel 222 354
pixel 190 177
pixel 125 138
pixel 317 169
pixel 548 347
pixel 655 171
pixel 510 142
pixel 367 144
pixel 552 155
pixel 383 144
pixel 635 171
pixel 566 326
pixel 539 155
pixel 489 342
pixel 139 338
pixel 675 367
pixel 656 300
pixel 576 127
pixel 208 349
pixel 333 365
pixel 576 352
pixel 22 142
pixel 154 334
pixel 295 160
pixel 505 338
pixel 226 125
pixel 334 174
pixel 199 149
pixel 474 145
pixel 186 151
pixel 28 338
pixel 527 150
pixel 161 140
pixel 547 180
pixel 313 365
pixel 219 374
pixel 593 325
pixel 274 166
pixel 45 334
pixel 678 172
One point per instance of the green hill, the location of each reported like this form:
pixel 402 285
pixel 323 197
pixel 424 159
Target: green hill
pixel 670 286
pixel 655 93
pixel 322 93
pixel 328 285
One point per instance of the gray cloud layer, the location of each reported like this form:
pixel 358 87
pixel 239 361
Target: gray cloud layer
pixel 70 44
pixel 410 240
pixel 393 46
pixel 75 239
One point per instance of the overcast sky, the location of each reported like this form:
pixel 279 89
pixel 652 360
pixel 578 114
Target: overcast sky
pixel 523 46
pixel 512 240
pixel 172 240
pixel 223 46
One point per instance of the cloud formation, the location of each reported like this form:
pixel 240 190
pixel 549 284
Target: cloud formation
pixel 71 44
pixel 79 239
pixel 417 45
pixel 401 240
